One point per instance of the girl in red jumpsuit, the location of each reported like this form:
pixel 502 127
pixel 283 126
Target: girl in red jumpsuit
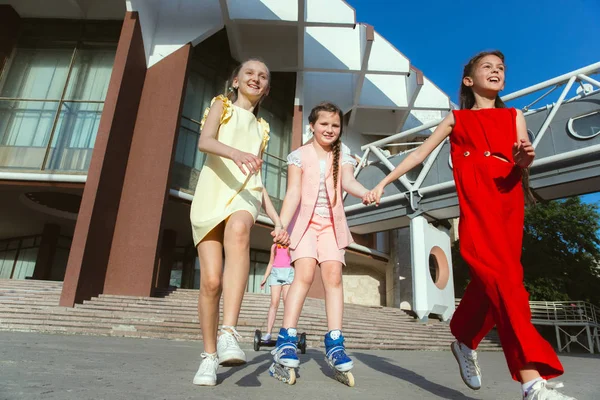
pixel 490 147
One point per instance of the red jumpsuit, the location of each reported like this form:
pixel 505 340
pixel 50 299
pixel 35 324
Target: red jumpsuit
pixel 491 203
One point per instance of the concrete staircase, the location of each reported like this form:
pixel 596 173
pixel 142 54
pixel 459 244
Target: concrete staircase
pixel 32 306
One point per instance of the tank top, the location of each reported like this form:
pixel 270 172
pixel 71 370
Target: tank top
pixel 282 258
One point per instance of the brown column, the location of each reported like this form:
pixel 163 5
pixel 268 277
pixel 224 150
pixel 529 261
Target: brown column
pixel 167 258
pixel 297 128
pixel 136 241
pixel 88 258
pixel 45 256
pixel 9 31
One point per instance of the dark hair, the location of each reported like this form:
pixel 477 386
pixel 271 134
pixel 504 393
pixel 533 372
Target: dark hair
pixel 232 93
pixel 466 96
pixel 467 101
pixel 337 146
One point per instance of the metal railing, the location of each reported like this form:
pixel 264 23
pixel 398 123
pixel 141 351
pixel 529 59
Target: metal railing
pixel 574 322
pixel 565 311
pixel 414 192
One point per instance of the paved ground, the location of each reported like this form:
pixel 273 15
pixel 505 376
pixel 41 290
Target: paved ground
pixel 40 366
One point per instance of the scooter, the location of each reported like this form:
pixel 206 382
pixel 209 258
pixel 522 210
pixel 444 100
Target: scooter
pixel 258 342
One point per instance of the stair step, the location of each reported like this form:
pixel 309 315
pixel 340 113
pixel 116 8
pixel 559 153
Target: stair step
pixel 32 306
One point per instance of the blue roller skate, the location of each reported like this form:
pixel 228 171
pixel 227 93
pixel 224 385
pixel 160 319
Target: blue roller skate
pixel 285 359
pixel 336 358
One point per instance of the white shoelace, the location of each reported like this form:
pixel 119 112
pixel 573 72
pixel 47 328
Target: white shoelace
pixel 554 385
pixel 472 365
pixel 551 387
pixel 232 337
pixel 208 362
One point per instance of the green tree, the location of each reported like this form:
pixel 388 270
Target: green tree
pixel 561 252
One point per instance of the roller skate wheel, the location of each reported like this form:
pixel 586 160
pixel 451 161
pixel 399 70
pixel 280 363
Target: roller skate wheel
pixel 292 379
pixel 345 377
pixel 350 379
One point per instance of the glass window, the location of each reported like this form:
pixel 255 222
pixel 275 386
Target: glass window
pixel 175 279
pixel 258 265
pixel 18 257
pixel 204 83
pixel 25 264
pixel 90 74
pixel 585 126
pixel 7 261
pixel 52 93
pixel 36 73
pixel 275 165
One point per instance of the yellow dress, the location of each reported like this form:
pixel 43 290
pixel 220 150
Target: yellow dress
pixel 222 188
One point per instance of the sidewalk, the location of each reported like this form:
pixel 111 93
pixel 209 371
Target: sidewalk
pixel 54 367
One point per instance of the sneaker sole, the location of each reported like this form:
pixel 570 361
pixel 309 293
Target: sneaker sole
pixel 232 359
pixel 232 362
pixel 460 369
pixel 201 382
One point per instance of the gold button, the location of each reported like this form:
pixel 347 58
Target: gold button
pixel 487 154
pixel 466 154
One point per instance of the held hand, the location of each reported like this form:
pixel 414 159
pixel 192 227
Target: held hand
pixel 246 162
pixel 376 193
pixel 280 236
pixel 368 198
pixel 523 153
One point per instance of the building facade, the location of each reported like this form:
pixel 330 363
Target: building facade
pixel 100 104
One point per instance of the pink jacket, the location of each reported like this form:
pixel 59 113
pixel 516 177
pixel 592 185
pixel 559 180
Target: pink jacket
pixel 311 176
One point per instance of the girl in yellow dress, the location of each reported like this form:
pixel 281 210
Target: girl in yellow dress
pixel 226 203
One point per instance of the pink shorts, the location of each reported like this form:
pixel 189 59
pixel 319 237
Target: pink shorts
pixel 319 242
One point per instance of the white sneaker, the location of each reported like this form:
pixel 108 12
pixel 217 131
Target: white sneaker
pixel 266 337
pixel 228 348
pixel 469 367
pixel 207 372
pixel 544 390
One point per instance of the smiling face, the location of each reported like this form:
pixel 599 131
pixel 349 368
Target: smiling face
pixel 487 75
pixel 326 128
pixel 252 80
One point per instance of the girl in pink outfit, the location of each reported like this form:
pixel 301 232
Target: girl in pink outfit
pixel 313 207
pixel 280 274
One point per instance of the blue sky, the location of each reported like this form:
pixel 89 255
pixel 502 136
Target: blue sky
pixel 591 198
pixel 540 39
